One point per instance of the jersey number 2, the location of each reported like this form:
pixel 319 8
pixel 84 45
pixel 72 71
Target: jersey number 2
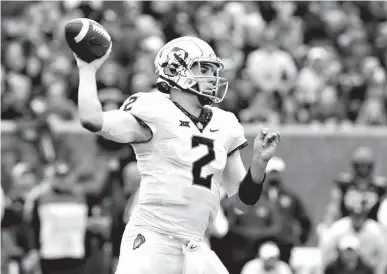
pixel 130 103
pixel 201 162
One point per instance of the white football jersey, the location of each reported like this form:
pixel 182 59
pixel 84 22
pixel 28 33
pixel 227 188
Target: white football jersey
pixel 181 165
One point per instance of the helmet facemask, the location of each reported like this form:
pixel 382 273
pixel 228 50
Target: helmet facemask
pixel 213 86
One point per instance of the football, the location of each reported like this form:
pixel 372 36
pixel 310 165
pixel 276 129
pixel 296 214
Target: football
pixel 87 39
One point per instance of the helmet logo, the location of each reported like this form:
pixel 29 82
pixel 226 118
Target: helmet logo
pixel 175 63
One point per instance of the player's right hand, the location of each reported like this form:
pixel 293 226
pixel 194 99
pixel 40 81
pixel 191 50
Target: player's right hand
pixel 96 64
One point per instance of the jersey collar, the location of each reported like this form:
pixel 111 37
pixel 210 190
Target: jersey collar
pixel 204 117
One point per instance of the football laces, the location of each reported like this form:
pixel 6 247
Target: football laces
pixel 101 31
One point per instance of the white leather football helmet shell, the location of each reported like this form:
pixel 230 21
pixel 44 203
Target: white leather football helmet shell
pixel 173 65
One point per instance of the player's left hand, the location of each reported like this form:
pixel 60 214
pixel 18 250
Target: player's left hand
pixel 265 144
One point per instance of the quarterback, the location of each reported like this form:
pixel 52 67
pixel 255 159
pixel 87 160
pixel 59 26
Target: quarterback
pixel 186 151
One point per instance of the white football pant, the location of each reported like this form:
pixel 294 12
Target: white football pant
pixel 147 252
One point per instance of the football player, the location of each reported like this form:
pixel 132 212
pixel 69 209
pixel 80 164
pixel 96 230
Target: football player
pixel 360 187
pixel 186 149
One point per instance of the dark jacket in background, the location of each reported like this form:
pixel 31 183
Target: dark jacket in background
pixel 337 267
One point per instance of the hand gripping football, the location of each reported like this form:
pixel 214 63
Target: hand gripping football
pixel 87 39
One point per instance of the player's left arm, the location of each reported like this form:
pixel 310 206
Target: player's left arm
pixel 245 188
pixel 233 175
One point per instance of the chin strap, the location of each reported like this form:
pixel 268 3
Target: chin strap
pixel 167 85
pixel 203 100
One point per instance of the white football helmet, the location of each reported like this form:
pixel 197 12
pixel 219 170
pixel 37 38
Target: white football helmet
pixel 173 65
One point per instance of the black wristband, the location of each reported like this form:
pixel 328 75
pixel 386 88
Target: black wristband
pixel 249 191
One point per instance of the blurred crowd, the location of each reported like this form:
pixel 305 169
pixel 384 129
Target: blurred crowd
pixel 287 62
pixel 68 222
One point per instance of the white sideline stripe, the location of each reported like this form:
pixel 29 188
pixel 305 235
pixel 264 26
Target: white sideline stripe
pixel 83 32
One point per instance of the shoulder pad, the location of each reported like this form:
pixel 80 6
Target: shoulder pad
pixel 380 181
pixel 344 178
pixel 145 98
pixel 145 106
pixel 220 112
pixel 227 119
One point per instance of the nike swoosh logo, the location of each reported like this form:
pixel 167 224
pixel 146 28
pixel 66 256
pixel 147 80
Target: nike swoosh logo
pixel 214 130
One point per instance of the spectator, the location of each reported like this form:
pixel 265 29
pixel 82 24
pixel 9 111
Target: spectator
pixel 63 208
pixel 16 100
pixel 14 231
pixel 329 110
pixel 267 262
pixel 348 260
pixel 57 103
pixel 351 31
pixel 249 231
pixel 315 29
pixel 290 27
pixel 373 110
pixel 296 224
pixel 273 73
pixel 352 85
pixel 254 26
pixel 311 80
pixel 278 217
pixel 315 92
pixel 270 68
pixel 371 235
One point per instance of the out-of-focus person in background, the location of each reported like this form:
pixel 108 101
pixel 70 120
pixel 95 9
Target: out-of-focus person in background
pixel 248 231
pixel 372 237
pixel 373 111
pixel 273 73
pixel 268 262
pixel 57 217
pixel 349 260
pixel 351 32
pixel 296 224
pixel 14 231
pixel 290 27
pixel 315 94
pixel 360 186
